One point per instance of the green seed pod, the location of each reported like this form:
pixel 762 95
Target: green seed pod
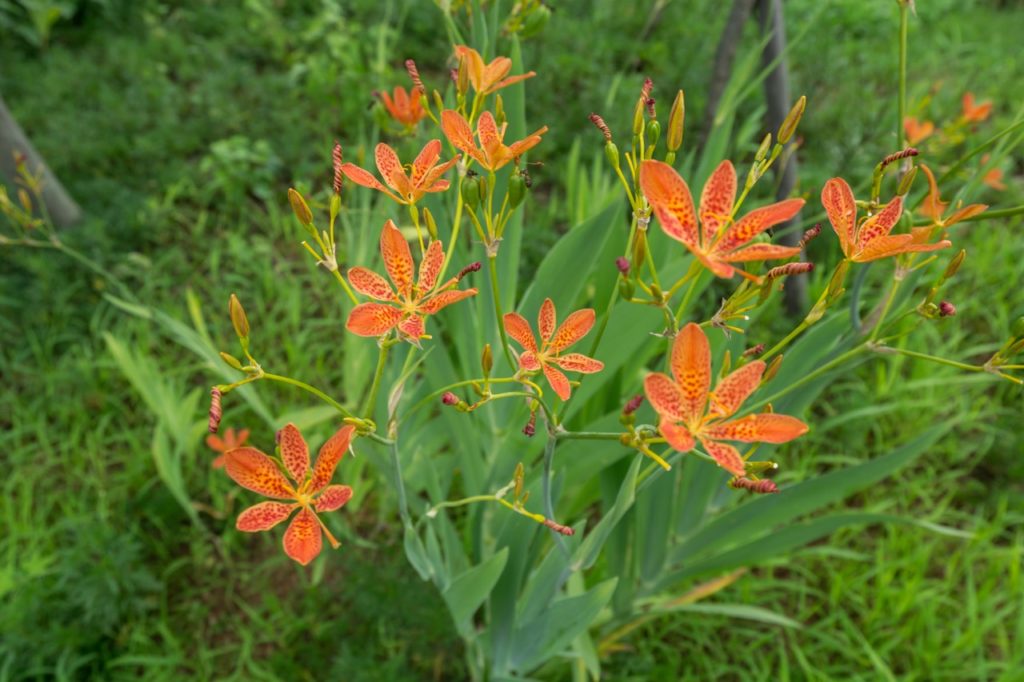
pixel 516 189
pixel 428 218
pixel 471 191
pixel 487 360
pixel 300 208
pixel 611 153
pixel 639 249
pixel 535 21
pixel 626 289
pixel 653 133
pixel 231 360
pixel 518 478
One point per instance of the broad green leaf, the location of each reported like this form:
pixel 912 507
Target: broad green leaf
pixel 469 589
pixel 585 556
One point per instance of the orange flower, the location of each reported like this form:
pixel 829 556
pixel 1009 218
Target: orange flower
pixel 553 342
pixel 492 153
pixel 222 445
pixel 933 207
pixel 871 240
pixel 425 177
pixel 975 112
pixel 917 131
pixel 308 491
pixel 412 301
pixel 487 78
pixel 688 411
pixel 721 241
pixel 404 107
pixel 994 176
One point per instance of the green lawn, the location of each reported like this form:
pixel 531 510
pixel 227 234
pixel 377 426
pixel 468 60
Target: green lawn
pixel 179 130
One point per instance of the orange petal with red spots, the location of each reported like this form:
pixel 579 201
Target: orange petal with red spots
pixel 218 462
pixel 397 257
pixel 575 327
pixel 880 224
pixel 263 516
pixel 676 435
pixel 460 134
pixel 490 137
pixel 517 149
pixel 519 330
pixel 390 169
pixel 672 201
pixel 425 162
pixel 330 454
pixel 559 382
pixel 759 428
pixel 726 456
pixel 717 199
pixel 475 63
pixel 215 443
pixel 302 540
pixel 664 396
pixel 734 389
pixel 372 319
pixel 430 267
pixel 495 71
pixel 932 206
pixel 837 198
pixel 369 283
pixel 895 244
pixel 577 362
pixel 294 452
pixel 528 361
pixel 756 252
pixel 333 497
pixel 691 366
pixel 252 469
pixel 511 80
pixel 431 183
pixel 965 213
pixel 546 320
pixel 444 299
pixel 360 176
pixel 413 327
pixel 756 222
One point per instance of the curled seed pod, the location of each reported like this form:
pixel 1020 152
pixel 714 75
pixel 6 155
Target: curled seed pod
pixel 472 267
pixel 487 360
pixel 559 528
pixel 336 164
pixel 762 486
pixel 531 426
pixel 789 269
pixel 954 264
pixel 215 410
pixel 809 235
pixel 414 75
pixel 756 350
pixel 602 126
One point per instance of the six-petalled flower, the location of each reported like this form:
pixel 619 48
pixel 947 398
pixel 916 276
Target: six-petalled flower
pixel 487 78
pixel 716 239
pixel 548 355
pixel 409 188
pixel 307 490
pixel 492 153
pixel 404 107
pixel 688 410
pixel 407 305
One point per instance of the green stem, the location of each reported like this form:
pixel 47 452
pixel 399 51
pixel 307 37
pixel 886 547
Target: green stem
pixel 396 465
pixel 456 226
pixel 944 361
pixel 309 389
pixel 371 399
pixel 902 94
pixel 344 285
pixel 589 435
pixel 885 309
pixel 987 215
pixel 498 314
pixel 832 364
pixel 689 291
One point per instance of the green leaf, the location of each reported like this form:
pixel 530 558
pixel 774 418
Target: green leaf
pixel 585 556
pixel 740 611
pixel 470 588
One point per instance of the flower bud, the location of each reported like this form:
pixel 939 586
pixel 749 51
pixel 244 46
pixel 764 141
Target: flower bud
pixel 946 309
pixel 772 370
pixel 231 360
pixel 428 218
pixel 792 120
pixel 449 398
pixel 954 264
pixel 535 21
pixel 762 151
pixel 623 265
pixel 676 119
pixel 633 405
pixel 462 78
pixel 906 182
pixel 300 208
pixel 487 360
pixel 238 318
pixel 638 116
pixel 499 110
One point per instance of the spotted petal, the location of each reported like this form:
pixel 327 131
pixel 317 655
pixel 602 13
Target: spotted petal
pixel 252 469
pixel 577 362
pixel 759 428
pixel 390 169
pixel 519 330
pixel 546 320
pixel 294 452
pixel 691 366
pixel 574 328
pixel 490 137
pixel 734 389
pixel 559 382
pixel 880 224
pixel 372 319
pixel 756 252
pixel 494 72
pixel 664 396
pixel 333 497
pixel 397 257
pixel 302 540
pixel 932 206
pixel 528 361
pixel 837 198
pixel 369 283
pixel 366 179
pixel 430 267
pixel 444 299
pixel 668 193
pixel 756 222
pixel 458 132
pixel 330 454
pixel 263 516
pixel 424 162
pixel 676 435
pixel 716 200
pixel 726 456
pixel 517 149
pixel 413 327
pixel 895 244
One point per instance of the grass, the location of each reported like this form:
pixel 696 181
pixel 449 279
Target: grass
pixel 184 188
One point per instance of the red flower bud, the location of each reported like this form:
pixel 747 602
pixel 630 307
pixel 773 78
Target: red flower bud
pixel 449 398
pixel 947 309
pixel 531 426
pixel 633 405
pixel 756 350
pixel 622 264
